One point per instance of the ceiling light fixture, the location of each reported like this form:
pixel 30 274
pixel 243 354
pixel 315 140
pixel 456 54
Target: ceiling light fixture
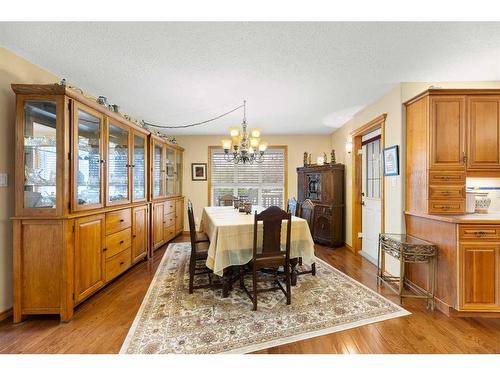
pixel 244 147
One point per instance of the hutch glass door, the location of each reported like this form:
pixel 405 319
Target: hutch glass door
pixel 118 164
pixel 157 171
pixel 89 160
pixel 40 154
pixel 170 169
pixel 139 168
pixel 178 172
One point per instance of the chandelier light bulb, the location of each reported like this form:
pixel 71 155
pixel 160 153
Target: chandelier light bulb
pixel 254 142
pixel 263 147
pixel 226 144
pixel 255 133
pixel 235 132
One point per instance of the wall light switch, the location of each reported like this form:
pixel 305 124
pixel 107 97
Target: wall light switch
pixel 3 179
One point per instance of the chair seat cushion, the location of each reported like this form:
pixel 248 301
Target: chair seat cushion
pixel 274 260
pixel 202 250
pixel 201 237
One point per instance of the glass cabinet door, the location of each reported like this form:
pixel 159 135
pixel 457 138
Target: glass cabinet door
pixel 118 164
pixel 157 171
pixel 170 171
pixel 40 154
pixel 88 155
pixel 178 172
pixel 139 168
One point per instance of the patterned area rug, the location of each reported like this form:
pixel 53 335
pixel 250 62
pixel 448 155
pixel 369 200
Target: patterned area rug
pixel 170 320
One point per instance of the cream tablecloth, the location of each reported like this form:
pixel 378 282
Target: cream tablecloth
pixel 231 238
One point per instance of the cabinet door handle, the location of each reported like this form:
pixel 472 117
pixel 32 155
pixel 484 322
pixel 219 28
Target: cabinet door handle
pixel 121 242
pixel 105 249
pixel 122 220
pixel 134 236
pixel 122 263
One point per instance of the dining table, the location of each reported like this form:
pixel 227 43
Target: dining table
pixel 231 240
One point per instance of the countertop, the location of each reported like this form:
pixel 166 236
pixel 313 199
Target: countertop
pixel 489 218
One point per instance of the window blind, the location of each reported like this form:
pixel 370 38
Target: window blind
pixel 262 184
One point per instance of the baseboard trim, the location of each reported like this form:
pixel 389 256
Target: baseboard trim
pixel 349 247
pixel 5 314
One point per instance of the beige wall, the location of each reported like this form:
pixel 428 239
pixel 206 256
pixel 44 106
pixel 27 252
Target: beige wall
pixel 196 151
pixel 13 69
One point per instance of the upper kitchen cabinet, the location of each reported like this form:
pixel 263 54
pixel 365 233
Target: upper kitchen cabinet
pixel 483 133
pixel 447 132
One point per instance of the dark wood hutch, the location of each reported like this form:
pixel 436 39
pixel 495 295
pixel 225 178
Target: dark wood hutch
pixel 324 185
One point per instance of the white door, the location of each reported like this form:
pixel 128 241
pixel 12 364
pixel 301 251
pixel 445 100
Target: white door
pixel 371 203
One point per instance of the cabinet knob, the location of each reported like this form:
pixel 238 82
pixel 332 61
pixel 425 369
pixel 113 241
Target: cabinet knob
pixel 121 242
pixel 104 249
pixel 122 220
pixel 134 236
pixel 122 263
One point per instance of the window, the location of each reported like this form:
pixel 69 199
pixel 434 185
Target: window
pixel 373 169
pixel 262 184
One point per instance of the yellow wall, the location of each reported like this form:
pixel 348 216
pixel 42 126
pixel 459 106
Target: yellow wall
pixel 196 151
pixel 13 69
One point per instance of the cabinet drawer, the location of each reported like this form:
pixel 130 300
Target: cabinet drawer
pixel 118 242
pixel 446 177
pixel 169 233
pixel 118 220
pixel 444 191
pixel 169 207
pixel 117 264
pixel 446 206
pixel 483 232
pixel 170 219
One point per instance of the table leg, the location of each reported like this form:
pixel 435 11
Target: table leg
pixel 293 271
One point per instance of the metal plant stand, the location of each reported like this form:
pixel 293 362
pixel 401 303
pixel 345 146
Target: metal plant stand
pixel 407 250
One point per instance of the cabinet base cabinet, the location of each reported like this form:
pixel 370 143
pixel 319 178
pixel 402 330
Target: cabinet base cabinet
pixel 468 265
pixel 167 221
pixel 60 263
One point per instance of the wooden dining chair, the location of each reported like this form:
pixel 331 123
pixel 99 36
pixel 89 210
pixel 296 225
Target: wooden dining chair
pixel 272 256
pixel 292 206
pixel 227 200
pixel 199 252
pixel 307 213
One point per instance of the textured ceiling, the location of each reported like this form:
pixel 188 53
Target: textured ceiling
pixel 297 77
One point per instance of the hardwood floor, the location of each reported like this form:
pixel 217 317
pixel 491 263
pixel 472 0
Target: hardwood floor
pixel 101 323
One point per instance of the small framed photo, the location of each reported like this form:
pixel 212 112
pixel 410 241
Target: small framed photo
pixel 391 161
pixel 198 171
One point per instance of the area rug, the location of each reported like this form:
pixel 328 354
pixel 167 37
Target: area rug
pixel 170 320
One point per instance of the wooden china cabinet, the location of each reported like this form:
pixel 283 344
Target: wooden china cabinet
pixel 82 198
pixel 166 191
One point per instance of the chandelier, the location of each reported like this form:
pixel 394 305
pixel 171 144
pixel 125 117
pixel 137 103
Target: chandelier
pixel 244 147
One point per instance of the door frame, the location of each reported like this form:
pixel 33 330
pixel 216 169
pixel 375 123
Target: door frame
pixel 356 178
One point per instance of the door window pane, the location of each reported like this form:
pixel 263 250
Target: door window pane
pixel 178 176
pixel 40 155
pixel 139 167
pixel 89 159
pixel 117 164
pixel 373 173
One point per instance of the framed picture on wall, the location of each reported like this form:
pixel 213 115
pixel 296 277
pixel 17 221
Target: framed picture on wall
pixel 198 171
pixel 391 161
